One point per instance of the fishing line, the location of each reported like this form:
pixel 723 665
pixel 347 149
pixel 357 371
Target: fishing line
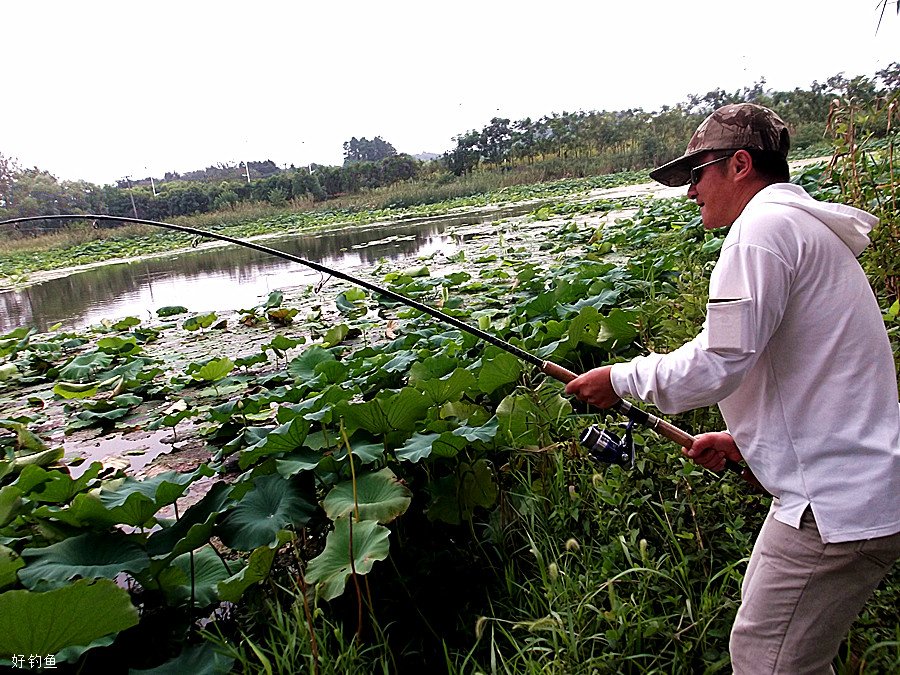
pixel 604 445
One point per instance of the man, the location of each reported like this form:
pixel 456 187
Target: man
pixel 795 352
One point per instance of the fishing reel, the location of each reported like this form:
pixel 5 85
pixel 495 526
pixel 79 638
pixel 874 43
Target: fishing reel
pixel 606 447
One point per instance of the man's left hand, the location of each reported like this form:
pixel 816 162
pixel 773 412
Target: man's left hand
pixel 594 387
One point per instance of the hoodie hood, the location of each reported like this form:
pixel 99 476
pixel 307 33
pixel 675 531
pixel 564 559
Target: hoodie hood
pixel 850 224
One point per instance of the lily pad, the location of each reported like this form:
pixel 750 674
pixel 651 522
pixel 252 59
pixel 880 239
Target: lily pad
pixel 171 310
pixel 330 570
pixel 273 504
pixel 256 569
pixel 92 555
pixel 380 496
pixel 74 615
pixel 202 659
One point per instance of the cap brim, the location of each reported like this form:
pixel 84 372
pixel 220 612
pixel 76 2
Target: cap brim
pixel 677 172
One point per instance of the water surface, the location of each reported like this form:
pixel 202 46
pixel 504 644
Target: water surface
pixel 222 278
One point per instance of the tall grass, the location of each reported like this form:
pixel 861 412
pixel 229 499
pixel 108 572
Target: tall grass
pixel 615 571
pixel 66 237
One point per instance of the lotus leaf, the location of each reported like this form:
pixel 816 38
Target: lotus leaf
pixel 126 323
pixel 304 366
pixel 171 310
pixel 256 569
pixel 26 442
pixel 498 370
pixel 11 503
pixel 333 371
pixel 214 370
pixel 274 300
pixel 619 326
pixel 196 573
pixel 421 446
pixel 401 361
pixel 302 460
pixel 199 321
pixel 334 336
pixel 74 615
pixel 202 659
pixel 281 343
pixel 351 302
pixel 386 412
pixel 431 368
pixel 54 487
pixel 194 528
pixel 454 498
pixel 284 438
pixel 91 555
pixel 72 390
pixel 330 570
pixel 366 452
pixel 447 388
pixel 128 501
pixel 485 432
pixel 273 504
pixel 83 368
pixel 524 422
pixel 118 345
pixel 10 563
pixel 379 496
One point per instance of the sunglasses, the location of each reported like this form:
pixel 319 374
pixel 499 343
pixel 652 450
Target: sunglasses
pixel 697 171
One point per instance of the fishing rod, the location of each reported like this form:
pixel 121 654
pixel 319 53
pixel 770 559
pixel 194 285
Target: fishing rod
pixel 603 445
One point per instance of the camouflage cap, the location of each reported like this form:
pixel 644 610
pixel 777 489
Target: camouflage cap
pixel 740 126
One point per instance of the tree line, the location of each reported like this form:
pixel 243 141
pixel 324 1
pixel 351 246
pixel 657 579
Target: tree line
pixel 635 139
pixel 619 140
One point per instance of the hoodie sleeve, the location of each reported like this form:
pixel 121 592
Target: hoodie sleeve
pixel 749 291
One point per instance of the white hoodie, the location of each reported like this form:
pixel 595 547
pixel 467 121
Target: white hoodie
pixel 795 352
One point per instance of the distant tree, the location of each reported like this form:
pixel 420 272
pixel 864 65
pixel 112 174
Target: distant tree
pixel 397 168
pixel 495 141
pixel 34 192
pixel 889 77
pixel 464 157
pixel 8 171
pixel 364 150
pixel 331 178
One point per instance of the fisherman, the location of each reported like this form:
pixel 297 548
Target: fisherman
pixel 795 353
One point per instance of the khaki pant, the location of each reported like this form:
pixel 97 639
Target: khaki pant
pixel 800 596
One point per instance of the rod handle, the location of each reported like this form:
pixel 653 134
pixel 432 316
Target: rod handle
pixel 557 372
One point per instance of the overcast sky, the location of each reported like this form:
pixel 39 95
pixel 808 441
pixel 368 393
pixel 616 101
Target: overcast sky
pixel 100 90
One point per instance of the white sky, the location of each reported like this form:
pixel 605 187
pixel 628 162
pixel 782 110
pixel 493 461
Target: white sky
pixel 98 90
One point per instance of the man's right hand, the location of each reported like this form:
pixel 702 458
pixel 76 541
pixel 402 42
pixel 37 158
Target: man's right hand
pixel 712 449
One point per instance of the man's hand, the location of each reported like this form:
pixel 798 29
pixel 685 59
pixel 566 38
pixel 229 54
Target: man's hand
pixel 712 449
pixel 594 387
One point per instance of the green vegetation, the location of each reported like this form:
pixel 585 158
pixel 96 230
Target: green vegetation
pixel 82 244
pixel 383 494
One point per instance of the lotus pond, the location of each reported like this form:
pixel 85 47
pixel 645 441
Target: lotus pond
pixel 327 481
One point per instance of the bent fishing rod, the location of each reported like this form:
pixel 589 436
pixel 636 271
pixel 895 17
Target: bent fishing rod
pixel 603 445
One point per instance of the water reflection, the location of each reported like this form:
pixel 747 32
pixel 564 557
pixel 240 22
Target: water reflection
pixel 219 279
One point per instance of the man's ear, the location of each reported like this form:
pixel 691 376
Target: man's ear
pixel 743 165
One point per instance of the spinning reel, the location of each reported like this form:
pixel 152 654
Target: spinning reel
pixel 606 447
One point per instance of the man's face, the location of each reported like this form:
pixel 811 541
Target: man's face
pixel 713 192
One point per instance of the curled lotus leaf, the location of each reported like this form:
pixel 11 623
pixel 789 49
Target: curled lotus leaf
pixel 330 570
